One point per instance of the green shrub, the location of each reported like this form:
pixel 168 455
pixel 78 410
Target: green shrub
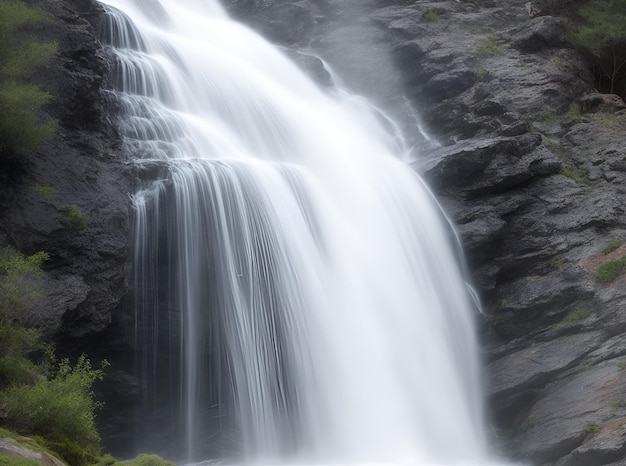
pixel 602 38
pixel 488 47
pixel 592 428
pixel 610 270
pixel 432 17
pixel 72 217
pixel 18 295
pixel 22 125
pixel 41 190
pixel 61 409
pixel 612 246
pixel 575 316
pixel 580 175
pixel 8 461
pixel 151 460
pixel 481 73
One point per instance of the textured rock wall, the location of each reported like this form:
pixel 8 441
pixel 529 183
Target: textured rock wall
pixel 85 283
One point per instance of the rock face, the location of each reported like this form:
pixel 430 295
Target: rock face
pixel 85 283
pixel 527 159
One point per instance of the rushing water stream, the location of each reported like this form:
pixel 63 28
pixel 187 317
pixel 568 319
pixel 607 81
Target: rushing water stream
pixel 297 298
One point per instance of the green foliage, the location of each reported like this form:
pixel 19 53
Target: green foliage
pixel 8 461
pixel 481 74
pixel 432 17
pixel 151 460
pixel 18 295
pixel 488 47
pixel 573 317
pixel 582 369
pixel 41 190
pixel 22 127
pixel 548 118
pixel 580 176
pixel 592 428
pixel 141 460
pixel 603 38
pixel 60 409
pixel 610 270
pixel 612 246
pixel 72 217
pixel 573 116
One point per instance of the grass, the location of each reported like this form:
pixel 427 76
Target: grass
pixel 573 317
pixel 41 190
pixel 580 175
pixel 592 428
pixel 582 369
pixel 548 118
pixel 610 270
pixel 432 17
pixel 72 217
pixel 481 74
pixel 612 246
pixel 488 47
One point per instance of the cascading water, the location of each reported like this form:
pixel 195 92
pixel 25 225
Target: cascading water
pixel 297 298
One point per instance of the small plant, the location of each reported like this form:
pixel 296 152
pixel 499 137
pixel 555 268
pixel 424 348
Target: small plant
pixel 580 176
pixel 576 316
pixel 60 409
pixel 610 270
pixel 592 428
pixel 582 369
pixel 72 217
pixel 481 74
pixel 432 17
pixel 151 460
pixel 488 47
pixel 41 190
pixel 612 246
pixel 548 118
pixel 573 116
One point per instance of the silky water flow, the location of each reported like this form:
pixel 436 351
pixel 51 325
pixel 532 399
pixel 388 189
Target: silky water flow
pixel 297 298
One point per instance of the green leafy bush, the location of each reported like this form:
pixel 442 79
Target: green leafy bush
pixel 592 428
pixel 432 17
pixel 18 294
pixel 61 409
pixel 610 270
pixel 612 246
pixel 72 217
pixel 22 125
pixel 602 38
pixel 8 461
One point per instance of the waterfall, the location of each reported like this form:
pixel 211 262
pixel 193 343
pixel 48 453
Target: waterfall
pixel 296 296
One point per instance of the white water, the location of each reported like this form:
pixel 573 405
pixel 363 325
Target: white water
pixel 297 298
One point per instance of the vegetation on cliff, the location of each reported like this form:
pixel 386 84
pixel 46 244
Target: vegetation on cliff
pixel 39 396
pixel 23 126
pixel 602 37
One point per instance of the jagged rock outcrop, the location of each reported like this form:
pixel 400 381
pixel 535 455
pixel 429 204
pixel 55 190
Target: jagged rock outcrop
pixel 530 166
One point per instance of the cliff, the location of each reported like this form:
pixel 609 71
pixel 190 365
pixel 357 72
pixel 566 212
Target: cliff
pixel 525 156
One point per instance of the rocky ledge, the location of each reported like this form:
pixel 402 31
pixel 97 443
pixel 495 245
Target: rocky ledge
pixel 529 161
